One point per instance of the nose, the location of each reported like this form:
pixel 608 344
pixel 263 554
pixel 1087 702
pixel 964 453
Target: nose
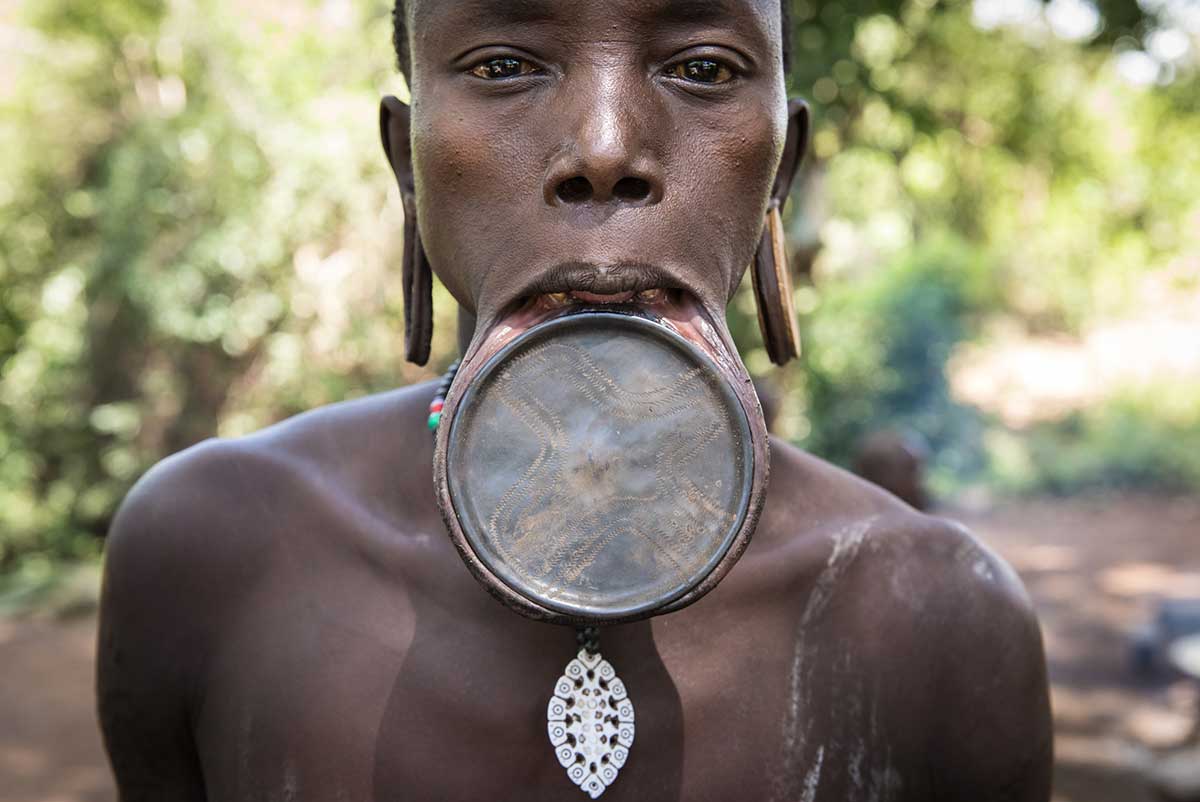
pixel 606 157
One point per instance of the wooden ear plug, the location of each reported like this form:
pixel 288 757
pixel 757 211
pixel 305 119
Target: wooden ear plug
pixel 773 292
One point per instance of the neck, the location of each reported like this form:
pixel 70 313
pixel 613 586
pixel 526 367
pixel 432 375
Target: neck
pixel 466 330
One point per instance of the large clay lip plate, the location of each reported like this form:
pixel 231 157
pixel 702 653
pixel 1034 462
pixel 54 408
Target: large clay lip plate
pixel 734 411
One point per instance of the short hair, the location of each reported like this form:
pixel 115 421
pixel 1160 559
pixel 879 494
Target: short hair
pixel 404 54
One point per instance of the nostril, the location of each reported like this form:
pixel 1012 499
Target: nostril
pixel 632 189
pixel 574 190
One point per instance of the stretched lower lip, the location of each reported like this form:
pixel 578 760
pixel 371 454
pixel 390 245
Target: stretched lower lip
pixel 674 308
pixel 532 309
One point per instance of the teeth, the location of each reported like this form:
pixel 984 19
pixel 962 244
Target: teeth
pixel 556 299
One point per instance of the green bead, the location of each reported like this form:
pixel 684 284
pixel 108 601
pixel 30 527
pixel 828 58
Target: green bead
pixel 434 417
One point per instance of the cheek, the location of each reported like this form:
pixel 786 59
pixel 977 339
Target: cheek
pixel 728 170
pixel 456 151
pixel 471 172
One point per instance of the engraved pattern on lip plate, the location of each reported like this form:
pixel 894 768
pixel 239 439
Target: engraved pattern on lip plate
pixel 610 466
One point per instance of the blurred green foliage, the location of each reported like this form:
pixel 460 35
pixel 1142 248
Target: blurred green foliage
pixel 198 239
pixel 1138 440
pixel 200 236
pixel 880 348
pixel 978 181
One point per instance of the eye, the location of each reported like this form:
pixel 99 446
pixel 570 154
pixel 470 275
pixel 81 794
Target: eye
pixel 496 69
pixel 701 71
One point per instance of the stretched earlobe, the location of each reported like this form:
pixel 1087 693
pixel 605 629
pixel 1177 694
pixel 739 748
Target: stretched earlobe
pixel 417 283
pixel 794 148
pixel 394 128
pixel 416 275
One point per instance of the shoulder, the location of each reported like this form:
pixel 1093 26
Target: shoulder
pixel 975 635
pixel 210 495
pixel 199 529
pixel 927 565
pixel 191 512
pixel 175 560
pixel 942 616
pixel 198 535
pixel 914 573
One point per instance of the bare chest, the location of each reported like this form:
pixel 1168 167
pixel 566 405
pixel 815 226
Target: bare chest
pixel 331 717
pixel 358 695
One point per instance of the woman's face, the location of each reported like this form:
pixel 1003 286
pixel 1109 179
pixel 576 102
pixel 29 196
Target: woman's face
pixel 593 151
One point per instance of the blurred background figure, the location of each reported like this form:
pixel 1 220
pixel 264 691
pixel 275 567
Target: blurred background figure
pixel 896 462
pixel 1152 645
pixel 995 243
pixel 1176 776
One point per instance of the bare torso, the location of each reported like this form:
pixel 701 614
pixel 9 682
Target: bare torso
pixel 284 618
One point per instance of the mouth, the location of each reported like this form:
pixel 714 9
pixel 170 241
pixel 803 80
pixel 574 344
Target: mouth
pixel 581 282
pixel 629 287
pixel 633 286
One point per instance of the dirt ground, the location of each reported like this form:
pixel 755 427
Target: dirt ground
pixel 1096 569
pixel 49 745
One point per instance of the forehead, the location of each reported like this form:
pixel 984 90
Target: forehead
pixel 613 17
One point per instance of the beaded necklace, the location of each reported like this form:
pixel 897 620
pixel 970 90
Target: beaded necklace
pixel 439 398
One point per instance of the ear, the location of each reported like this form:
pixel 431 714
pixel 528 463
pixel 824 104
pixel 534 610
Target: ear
pixel 394 131
pixel 794 149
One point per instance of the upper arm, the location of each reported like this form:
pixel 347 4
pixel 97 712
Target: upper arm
pixel 992 739
pixel 157 615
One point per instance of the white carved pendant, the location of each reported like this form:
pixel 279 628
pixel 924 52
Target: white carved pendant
pixel 590 722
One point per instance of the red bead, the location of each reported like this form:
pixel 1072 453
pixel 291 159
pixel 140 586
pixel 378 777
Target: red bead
pixel 436 406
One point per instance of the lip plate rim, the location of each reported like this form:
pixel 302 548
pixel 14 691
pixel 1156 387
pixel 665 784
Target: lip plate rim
pixel 587 317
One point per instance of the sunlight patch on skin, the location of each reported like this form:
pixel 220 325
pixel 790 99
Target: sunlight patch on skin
pixel 846 545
